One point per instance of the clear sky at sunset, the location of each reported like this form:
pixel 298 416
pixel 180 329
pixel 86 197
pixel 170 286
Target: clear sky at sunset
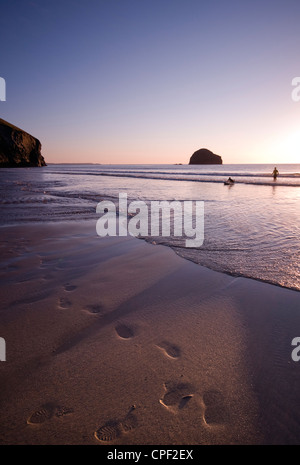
pixel 151 81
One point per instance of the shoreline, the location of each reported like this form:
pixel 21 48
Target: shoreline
pixel 96 325
pixel 152 242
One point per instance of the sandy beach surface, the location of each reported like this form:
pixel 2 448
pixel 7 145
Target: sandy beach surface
pixel 119 341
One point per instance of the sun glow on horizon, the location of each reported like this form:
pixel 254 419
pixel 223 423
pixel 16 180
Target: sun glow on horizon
pixel 141 82
pixel 283 148
pixel 290 147
pixel 293 147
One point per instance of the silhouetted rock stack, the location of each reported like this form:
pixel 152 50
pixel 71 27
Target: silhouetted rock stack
pixel 18 148
pixel 205 157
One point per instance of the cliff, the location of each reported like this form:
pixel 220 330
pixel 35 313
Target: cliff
pixel 18 148
pixel 205 157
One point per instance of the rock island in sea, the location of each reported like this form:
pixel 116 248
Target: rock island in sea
pixel 205 157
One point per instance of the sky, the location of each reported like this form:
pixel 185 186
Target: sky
pixel 152 81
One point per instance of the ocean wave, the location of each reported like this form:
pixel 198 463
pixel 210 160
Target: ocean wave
pixel 292 179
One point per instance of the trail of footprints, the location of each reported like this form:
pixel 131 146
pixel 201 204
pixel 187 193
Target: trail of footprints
pixel 177 396
pixel 64 302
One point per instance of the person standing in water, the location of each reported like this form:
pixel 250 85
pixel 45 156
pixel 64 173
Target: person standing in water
pixel 275 173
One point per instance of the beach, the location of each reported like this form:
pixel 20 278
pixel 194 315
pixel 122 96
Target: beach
pixel 114 340
pixel 149 226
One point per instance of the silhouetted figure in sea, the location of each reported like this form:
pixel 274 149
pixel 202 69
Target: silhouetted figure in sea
pixel 229 182
pixel 275 173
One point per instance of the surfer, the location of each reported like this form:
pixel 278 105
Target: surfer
pixel 275 173
pixel 229 182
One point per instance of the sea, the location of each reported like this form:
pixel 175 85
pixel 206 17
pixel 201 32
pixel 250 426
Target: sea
pixel 251 228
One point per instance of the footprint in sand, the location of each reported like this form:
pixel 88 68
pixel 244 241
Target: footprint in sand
pixel 48 277
pixel 44 413
pixel 176 396
pixel 123 331
pixel 47 412
pixel 69 287
pixel 113 429
pixel 63 302
pixel 94 308
pixel 216 412
pixel 170 350
pixel 109 431
pixel 62 411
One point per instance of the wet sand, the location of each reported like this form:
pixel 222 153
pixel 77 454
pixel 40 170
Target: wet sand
pixel 118 341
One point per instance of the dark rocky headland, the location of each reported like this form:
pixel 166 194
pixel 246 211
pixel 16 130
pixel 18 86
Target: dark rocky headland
pixel 18 148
